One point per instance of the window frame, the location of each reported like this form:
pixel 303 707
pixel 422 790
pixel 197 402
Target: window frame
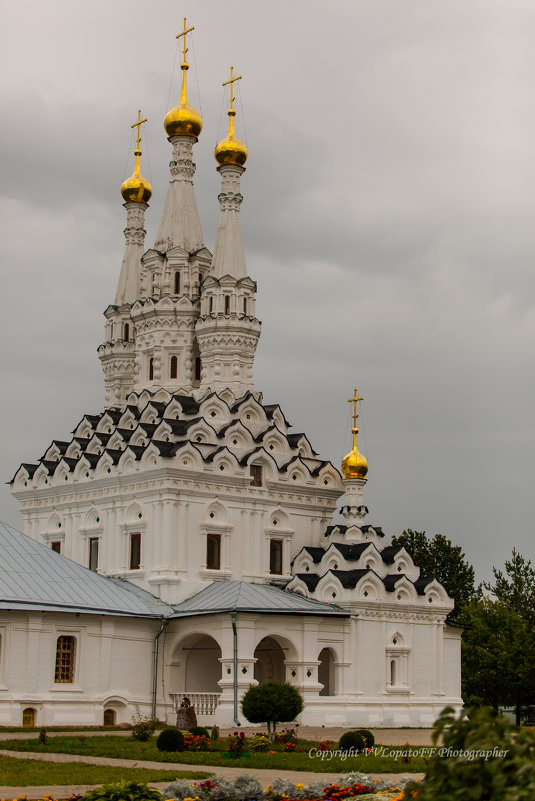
pixel 135 536
pixel 93 541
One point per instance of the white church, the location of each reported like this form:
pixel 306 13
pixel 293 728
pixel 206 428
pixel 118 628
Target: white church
pixel 180 542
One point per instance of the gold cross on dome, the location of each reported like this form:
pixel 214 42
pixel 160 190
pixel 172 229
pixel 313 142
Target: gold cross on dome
pixel 184 32
pixel 232 80
pixel 354 400
pixel 138 125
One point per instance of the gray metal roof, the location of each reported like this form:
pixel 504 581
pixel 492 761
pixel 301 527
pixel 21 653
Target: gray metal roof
pixel 34 577
pixel 241 596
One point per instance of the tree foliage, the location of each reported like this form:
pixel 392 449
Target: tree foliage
pixel 438 558
pixel 271 703
pixel 516 587
pixel 482 758
pixel 498 656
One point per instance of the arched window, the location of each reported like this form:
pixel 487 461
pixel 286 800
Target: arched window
pixel 227 304
pixel 210 305
pixel 177 283
pixel 198 368
pixel 393 672
pixel 174 366
pixel 151 369
pixel 126 335
pixel 245 305
pixel 65 654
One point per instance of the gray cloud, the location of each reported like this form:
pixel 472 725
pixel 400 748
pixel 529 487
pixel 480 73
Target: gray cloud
pixel 388 211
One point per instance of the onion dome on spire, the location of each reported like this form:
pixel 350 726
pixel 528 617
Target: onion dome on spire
pixel 354 464
pixel 230 150
pixel 137 189
pixel 183 120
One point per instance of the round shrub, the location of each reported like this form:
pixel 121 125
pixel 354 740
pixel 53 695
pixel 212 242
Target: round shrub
pixel 260 743
pixel 170 740
pixel 368 736
pixel 199 731
pixel 352 740
pixel 214 734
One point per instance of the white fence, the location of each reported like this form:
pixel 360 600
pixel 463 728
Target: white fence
pixel 203 703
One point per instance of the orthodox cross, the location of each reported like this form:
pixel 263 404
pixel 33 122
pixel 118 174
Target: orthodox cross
pixel 354 400
pixel 232 80
pixel 184 32
pixel 138 125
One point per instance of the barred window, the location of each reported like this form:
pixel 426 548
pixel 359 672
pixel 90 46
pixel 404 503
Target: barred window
pixel 174 366
pixel 65 653
pixel 213 551
pixel 275 556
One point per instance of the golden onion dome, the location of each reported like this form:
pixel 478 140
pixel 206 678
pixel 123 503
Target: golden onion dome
pixel 183 120
pixel 354 464
pixel 136 189
pixel 230 150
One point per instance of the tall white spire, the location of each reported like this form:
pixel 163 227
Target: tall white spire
pixel 180 225
pixel 227 330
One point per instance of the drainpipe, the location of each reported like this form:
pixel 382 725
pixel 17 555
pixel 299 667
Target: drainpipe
pixel 235 671
pixel 155 667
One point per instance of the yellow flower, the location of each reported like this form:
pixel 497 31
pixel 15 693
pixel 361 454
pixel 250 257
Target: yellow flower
pixel 299 786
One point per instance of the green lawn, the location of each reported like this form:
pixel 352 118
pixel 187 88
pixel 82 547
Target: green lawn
pixel 25 772
pixel 127 748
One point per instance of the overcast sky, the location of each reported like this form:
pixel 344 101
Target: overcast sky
pixel 388 219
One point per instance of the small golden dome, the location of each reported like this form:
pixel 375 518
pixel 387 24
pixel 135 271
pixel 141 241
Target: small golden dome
pixel 136 189
pixel 354 464
pixel 183 120
pixel 230 150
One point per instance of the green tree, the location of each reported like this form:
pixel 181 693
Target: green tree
pixel 438 558
pixel 498 656
pixel 516 587
pixel 272 702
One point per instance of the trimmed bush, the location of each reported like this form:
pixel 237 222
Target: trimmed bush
pixel 259 743
pixel 352 740
pixel 199 731
pixel 214 734
pixel 122 790
pixel 170 740
pixel 368 736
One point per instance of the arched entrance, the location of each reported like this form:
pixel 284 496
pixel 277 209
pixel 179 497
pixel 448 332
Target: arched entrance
pixel 326 672
pixel 195 673
pixel 270 656
pixel 28 716
pixel 109 717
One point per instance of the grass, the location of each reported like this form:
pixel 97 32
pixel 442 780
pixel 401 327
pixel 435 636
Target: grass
pixel 25 773
pixel 127 748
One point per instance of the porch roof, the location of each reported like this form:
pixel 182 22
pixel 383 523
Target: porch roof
pixel 36 578
pixel 241 596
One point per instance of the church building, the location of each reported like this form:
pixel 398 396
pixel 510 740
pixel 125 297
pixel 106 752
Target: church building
pixel 180 542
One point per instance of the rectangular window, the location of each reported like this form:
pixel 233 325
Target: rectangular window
pixel 93 553
pixel 275 556
pixel 56 546
pixel 213 551
pixel 135 551
pixel 256 475
pixel 65 653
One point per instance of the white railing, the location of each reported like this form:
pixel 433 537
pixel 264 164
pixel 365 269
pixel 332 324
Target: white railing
pixel 203 703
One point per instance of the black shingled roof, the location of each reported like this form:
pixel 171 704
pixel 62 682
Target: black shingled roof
pixel 389 553
pixel 351 552
pixel 310 579
pixel 349 578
